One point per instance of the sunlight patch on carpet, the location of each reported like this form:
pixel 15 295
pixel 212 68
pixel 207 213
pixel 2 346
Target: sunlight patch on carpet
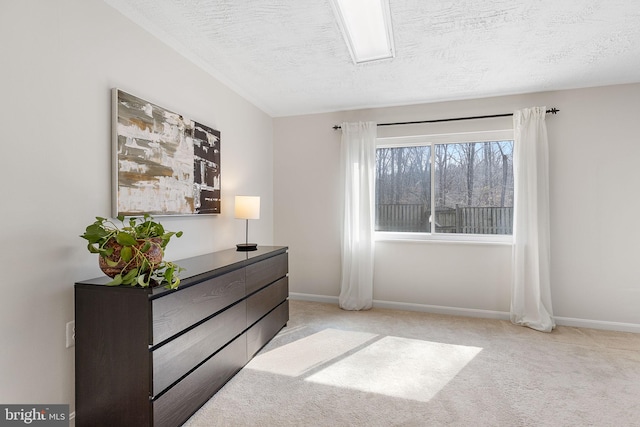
pixel 399 367
pixel 307 353
pixel 392 366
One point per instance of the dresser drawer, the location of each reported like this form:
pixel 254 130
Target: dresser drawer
pixel 267 271
pixel 180 309
pixel 180 355
pixel 264 300
pixel 175 406
pixel 260 333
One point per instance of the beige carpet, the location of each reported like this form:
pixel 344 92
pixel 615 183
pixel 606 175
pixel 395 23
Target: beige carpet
pixel 331 367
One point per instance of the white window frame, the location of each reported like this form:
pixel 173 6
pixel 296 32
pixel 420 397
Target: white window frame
pixel 431 140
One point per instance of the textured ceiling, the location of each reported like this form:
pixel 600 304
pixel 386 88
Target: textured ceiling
pixel 289 57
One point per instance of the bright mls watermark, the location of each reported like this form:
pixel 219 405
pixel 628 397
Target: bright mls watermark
pixel 35 415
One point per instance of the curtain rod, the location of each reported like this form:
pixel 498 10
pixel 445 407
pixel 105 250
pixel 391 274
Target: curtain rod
pixel 552 111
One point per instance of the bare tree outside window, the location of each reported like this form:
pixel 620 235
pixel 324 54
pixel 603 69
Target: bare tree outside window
pixel 403 188
pixel 473 188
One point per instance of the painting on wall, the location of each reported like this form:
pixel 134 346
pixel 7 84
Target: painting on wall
pixel 163 163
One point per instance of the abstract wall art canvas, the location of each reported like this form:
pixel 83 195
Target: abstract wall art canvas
pixel 163 163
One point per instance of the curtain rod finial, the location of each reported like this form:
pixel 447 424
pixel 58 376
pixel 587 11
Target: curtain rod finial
pixel 336 127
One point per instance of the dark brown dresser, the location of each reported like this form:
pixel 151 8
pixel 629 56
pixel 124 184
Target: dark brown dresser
pixel 152 357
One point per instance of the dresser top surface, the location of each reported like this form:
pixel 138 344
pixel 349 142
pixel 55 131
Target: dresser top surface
pixel 201 267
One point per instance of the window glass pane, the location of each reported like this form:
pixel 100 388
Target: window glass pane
pixel 403 189
pixel 474 187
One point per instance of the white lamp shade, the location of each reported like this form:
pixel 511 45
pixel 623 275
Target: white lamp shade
pixel 247 207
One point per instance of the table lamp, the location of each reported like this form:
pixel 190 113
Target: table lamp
pixel 247 207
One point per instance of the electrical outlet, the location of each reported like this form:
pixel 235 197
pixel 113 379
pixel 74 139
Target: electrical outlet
pixel 71 333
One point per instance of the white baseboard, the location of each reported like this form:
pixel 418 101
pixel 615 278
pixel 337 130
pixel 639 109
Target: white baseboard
pixel 313 298
pixel 408 306
pixel 486 314
pixel 437 309
pixel 598 324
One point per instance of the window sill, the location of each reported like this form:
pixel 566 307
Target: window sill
pixel 491 239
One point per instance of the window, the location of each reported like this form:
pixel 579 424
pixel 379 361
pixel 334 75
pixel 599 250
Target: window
pixel 445 185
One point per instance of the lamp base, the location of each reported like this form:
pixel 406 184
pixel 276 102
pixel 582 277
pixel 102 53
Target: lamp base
pixel 247 247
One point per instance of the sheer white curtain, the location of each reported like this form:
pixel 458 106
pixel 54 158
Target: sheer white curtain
pixel 531 288
pixel 358 155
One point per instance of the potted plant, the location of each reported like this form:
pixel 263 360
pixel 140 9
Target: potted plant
pixel 132 253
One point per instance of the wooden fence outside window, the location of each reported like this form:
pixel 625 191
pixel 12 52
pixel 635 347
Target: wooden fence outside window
pixel 461 219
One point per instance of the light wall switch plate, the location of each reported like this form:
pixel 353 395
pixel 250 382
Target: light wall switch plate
pixel 71 334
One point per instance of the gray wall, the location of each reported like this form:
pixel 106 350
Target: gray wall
pixel 60 60
pixel 594 156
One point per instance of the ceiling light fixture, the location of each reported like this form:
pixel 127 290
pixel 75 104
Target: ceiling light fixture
pixel 366 27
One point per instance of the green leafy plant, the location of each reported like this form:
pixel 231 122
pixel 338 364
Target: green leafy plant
pixel 132 253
